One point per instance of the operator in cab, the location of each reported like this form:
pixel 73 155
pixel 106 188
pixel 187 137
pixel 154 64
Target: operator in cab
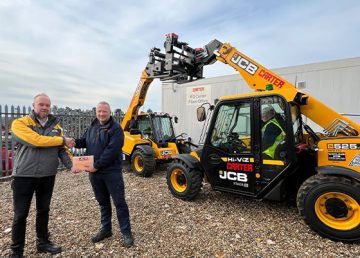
pixel 272 133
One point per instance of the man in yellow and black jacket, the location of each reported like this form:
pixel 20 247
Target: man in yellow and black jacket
pixel 40 144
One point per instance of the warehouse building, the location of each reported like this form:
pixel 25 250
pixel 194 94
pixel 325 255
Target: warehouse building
pixel 335 83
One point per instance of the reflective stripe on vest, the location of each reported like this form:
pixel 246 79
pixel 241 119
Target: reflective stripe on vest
pixel 271 150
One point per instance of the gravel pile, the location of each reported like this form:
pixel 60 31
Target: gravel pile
pixel 214 225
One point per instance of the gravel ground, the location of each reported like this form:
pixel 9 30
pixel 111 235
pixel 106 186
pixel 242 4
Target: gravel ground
pixel 214 225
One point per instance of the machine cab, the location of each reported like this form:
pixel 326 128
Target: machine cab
pixel 250 144
pixel 156 127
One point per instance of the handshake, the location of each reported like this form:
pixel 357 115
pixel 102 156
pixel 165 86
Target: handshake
pixel 69 142
pixel 87 162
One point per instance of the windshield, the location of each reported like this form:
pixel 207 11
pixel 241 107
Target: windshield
pixel 144 125
pixel 232 129
pixel 163 128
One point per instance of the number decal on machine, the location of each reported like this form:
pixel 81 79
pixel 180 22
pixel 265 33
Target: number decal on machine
pixel 344 146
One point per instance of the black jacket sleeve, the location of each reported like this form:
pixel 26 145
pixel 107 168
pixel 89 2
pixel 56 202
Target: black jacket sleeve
pixel 65 157
pixel 81 142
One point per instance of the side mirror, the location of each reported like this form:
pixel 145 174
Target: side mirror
pixel 134 131
pixel 176 119
pixel 201 115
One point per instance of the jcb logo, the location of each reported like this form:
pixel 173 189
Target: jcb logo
pixel 233 176
pixel 244 64
pixel 166 152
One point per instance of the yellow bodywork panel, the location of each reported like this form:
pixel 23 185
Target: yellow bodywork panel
pixel 165 153
pixel 258 76
pixel 194 154
pixel 324 115
pixel 137 100
pixel 131 141
pixel 342 152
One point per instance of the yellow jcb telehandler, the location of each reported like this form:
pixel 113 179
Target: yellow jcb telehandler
pixel 150 137
pixel 321 169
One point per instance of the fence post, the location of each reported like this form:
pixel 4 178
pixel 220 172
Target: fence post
pixel 6 138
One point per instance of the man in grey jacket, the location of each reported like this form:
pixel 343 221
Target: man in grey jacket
pixel 40 145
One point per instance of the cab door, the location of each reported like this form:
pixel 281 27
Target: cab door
pixel 276 139
pixel 233 155
pixel 231 150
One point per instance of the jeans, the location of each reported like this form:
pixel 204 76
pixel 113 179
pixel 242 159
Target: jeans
pixel 106 184
pixel 23 190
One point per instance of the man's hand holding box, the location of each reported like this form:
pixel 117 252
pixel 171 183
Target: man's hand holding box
pixel 82 163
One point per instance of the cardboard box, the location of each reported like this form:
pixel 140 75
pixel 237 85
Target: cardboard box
pixel 83 163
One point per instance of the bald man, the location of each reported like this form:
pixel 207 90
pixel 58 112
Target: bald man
pixel 104 140
pixel 40 145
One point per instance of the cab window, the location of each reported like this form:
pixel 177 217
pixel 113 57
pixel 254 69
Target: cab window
pixel 232 129
pixel 144 124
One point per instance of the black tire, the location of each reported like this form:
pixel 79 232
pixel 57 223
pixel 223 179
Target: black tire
pixel 142 164
pixel 330 205
pixel 183 182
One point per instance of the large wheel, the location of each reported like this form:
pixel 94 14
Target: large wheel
pixel 183 182
pixel 142 164
pixel 330 205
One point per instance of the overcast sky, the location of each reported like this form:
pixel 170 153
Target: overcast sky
pixel 82 52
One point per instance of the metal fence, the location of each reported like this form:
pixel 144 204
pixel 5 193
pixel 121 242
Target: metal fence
pixel 73 122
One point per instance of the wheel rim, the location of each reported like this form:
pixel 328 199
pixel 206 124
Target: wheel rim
pixel 178 180
pixel 338 210
pixel 138 164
